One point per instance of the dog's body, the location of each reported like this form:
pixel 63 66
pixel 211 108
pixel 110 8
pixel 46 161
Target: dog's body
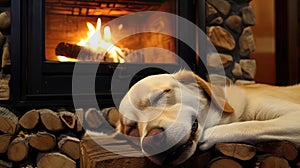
pixel 175 114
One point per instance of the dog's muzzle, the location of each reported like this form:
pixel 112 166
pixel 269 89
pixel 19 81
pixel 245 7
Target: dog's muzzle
pixel 156 139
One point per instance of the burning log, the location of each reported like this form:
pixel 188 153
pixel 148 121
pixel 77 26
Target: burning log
pixel 4 142
pixel 42 141
pixel 236 150
pixel 30 119
pixel 70 146
pixel 87 54
pixel 68 50
pixel 18 149
pixel 51 120
pixel 68 118
pixel 8 121
pixel 56 159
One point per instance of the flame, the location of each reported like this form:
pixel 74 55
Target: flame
pixel 98 44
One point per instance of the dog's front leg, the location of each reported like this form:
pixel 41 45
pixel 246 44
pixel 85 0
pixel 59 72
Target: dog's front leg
pixel 282 128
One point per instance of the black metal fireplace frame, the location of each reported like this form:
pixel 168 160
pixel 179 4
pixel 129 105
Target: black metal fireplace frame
pixel 36 82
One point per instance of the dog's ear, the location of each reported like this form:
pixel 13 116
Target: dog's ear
pixel 216 93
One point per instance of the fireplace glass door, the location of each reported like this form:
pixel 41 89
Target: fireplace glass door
pixel 77 30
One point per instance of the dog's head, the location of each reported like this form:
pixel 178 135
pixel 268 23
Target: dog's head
pixel 168 112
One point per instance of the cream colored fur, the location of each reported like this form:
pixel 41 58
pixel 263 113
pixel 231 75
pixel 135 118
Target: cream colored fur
pixel 172 101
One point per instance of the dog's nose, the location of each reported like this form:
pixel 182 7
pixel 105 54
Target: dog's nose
pixel 154 139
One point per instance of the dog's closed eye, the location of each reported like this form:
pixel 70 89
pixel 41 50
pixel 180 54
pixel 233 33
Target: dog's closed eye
pixel 158 95
pixel 132 130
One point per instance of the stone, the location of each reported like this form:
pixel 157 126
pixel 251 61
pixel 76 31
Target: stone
pixel 237 70
pixel 248 16
pixel 220 80
pixel 216 21
pixel 248 67
pixel 4 20
pixel 218 61
pixel 244 82
pixel 246 42
pixel 210 12
pixel 221 38
pixel 234 22
pixel 221 5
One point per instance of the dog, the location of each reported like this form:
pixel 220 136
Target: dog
pixel 173 115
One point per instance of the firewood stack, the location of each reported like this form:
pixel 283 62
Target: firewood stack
pixel 275 154
pixel 42 138
pixel 106 151
pixel 5 23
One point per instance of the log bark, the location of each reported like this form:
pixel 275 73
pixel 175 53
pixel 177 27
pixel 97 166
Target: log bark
pixel 5 55
pixel 68 50
pixel 68 118
pixel 79 121
pixel 111 115
pixel 8 121
pixel 51 120
pixel 30 119
pixel 236 150
pixel 281 148
pixel 55 159
pixel 70 146
pixel 42 141
pixel 18 149
pixel 93 118
pixel 224 163
pixel 271 161
pixel 4 142
pixel 5 164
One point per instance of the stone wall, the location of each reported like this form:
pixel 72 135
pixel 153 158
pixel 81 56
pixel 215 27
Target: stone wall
pixel 4 48
pixel 229 29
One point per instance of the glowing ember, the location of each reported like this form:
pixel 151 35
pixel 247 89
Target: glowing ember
pixel 99 45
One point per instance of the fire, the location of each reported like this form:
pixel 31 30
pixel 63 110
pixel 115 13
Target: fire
pixel 99 45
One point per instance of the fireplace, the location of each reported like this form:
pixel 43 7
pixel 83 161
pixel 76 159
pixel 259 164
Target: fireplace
pixel 47 36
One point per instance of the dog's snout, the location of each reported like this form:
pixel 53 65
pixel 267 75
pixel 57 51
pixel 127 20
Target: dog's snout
pixel 154 139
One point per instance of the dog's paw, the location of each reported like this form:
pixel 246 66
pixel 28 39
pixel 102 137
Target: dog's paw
pixel 208 139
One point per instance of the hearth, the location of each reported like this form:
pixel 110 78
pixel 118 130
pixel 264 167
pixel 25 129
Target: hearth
pixel 47 35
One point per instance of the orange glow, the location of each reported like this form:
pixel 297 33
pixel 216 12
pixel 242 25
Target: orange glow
pixel 97 44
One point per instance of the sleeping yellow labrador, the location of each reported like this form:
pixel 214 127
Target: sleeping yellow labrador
pixel 174 114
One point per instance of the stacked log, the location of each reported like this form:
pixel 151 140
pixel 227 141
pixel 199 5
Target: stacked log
pixel 39 137
pixel 277 154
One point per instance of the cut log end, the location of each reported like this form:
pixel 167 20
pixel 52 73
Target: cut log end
pixel 17 149
pixel 271 161
pixel 51 120
pixel 236 150
pixel 55 159
pixel 42 141
pixel 224 163
pixel 284 149
pixel 30 119
pixel 70 146
pixel 8 121
pixel 68 118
